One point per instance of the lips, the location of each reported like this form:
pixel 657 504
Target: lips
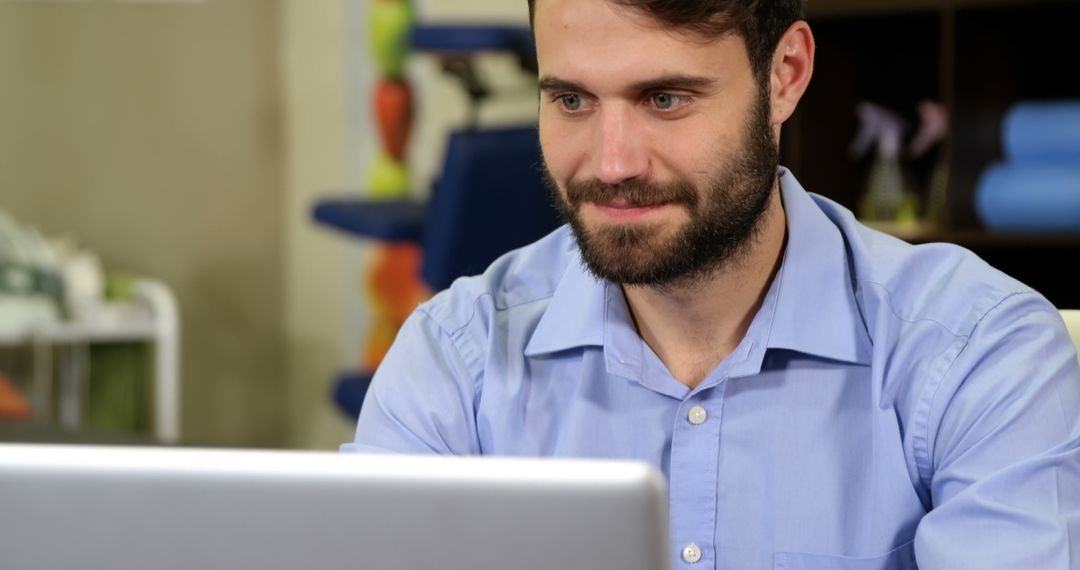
pixel 632 201
pixel 623 204
pixel 623 210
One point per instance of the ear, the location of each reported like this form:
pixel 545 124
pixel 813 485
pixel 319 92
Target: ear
pixel 792 67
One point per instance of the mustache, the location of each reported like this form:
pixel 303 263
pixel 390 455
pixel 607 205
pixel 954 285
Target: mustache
pixel 638 193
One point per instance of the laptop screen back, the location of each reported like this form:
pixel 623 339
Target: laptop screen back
pixel 117 508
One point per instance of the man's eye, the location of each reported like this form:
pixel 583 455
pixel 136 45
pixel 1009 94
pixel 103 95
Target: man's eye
pixel 666 101
pixel 570 101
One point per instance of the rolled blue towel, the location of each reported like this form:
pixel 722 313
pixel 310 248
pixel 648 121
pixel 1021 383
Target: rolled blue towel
pixel 1030 198
pixel 1042 132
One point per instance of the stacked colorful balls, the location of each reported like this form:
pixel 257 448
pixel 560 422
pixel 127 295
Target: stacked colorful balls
pixel 392 282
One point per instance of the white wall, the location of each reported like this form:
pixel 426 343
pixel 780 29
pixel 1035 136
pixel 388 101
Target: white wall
pixel 313 57
pixel 151 133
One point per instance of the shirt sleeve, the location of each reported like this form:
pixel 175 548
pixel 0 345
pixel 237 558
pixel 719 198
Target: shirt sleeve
pixel 1004 447
pixel 422 398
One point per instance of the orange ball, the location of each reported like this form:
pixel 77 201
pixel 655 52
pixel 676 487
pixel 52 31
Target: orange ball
pixel 394 114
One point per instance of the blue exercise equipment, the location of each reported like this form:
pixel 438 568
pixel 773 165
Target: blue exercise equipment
pixel 489 199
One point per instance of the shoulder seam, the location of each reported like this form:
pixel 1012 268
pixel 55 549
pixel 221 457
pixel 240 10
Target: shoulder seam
pixel 921 436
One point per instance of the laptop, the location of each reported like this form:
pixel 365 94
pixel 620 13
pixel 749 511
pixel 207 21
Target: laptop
pixel 116 508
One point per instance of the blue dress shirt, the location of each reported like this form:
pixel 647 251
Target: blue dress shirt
pixel 891 406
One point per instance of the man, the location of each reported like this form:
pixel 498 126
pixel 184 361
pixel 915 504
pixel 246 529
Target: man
pixel 819 395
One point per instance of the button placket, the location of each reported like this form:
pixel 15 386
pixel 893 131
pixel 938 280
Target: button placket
pixel 694 472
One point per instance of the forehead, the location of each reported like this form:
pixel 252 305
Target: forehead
pixel 595 40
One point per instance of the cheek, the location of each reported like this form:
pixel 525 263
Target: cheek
pixel 690 149
pixel 710 144
pixel 562 153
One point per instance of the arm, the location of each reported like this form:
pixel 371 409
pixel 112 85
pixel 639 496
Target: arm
pixel 1004 447
pixel 422 397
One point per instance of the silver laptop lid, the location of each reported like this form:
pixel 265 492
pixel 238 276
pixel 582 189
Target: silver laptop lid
pixel 142 508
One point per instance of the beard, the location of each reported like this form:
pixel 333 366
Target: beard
pixel 725 216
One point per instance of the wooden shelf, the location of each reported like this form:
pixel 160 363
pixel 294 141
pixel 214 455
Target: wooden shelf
pixel 818 9
pixel 977 57
pixel 976 238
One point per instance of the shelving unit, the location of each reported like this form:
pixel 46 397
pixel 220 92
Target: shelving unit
pixel 978 57
pixel 152 318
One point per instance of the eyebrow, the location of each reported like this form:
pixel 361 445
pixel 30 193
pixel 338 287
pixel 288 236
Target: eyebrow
pixel 686 82
pixel 681 82
pixel 549 84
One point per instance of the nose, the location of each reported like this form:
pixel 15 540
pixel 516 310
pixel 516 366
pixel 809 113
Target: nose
pixel 621 150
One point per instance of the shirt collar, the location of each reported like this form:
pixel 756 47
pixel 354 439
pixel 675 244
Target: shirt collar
pixel 575 314
pixel 815 310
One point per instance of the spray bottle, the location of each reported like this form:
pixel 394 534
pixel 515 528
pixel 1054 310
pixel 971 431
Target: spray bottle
pixel 885 198
pixel 934 126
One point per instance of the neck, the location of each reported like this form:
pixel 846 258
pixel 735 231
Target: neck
pixel 693 326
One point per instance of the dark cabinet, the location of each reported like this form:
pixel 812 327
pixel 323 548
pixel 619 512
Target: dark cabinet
pixel 977 57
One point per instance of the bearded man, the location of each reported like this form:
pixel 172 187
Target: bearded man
pixel 819 395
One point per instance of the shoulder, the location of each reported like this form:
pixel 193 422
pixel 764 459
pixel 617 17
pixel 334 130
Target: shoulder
pixel 524 276
pixel 950 334
pixel 936 285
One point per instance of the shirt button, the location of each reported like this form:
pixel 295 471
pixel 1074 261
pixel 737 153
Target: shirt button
pixel 691 554
pixel 697 415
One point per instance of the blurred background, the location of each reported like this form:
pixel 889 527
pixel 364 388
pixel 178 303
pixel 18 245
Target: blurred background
pixel 184 184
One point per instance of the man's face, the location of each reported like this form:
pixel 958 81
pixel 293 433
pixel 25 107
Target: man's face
pixel 658 146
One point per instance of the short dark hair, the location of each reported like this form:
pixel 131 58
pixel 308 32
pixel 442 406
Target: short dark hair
pixel 761 23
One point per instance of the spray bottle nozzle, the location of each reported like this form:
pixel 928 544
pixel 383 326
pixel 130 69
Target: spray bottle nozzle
pixel 933 126
pixel 878 125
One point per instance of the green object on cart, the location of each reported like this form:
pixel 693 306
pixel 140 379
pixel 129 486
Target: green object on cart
pixel 120 286
pixel 118 391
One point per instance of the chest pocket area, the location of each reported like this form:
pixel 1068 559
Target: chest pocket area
pixel 900 558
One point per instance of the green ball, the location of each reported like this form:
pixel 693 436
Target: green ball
pixel 387 178
pixel 389 22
